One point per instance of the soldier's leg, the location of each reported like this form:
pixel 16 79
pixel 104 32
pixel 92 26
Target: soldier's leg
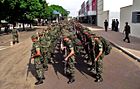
pixel 49 55
pixel 87 52
pixel 17 39
pixel 93 65
pixel 99 70
pixel 39 70
pixel 45 61
pixel 71 70
pixel 14 39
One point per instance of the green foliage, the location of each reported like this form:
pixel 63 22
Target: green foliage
pixel 28 10
pixel 60 9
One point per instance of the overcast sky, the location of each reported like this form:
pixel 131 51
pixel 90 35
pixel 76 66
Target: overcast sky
pixel 74 5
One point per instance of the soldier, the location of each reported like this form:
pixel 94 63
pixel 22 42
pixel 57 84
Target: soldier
pixel 15 34
pixel 98 61
pixel 69 59
pixel 48 39
pixel 36 55
pixel 127 32
pixel 43 49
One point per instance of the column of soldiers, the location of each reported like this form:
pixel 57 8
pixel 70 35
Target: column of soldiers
pixel 75 40
pixel 42 50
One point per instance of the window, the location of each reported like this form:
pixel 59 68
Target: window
pixel 135 17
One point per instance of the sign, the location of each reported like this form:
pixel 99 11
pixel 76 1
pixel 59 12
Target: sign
pixel 94 5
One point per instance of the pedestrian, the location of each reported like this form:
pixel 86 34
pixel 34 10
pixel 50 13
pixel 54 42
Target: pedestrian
pixel 36 56
pixel 15 34
pixel 116 25
pixel 106 25
pixel 113 24
pixel 127 32
pixel 69 58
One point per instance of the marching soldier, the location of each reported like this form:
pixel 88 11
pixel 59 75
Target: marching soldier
pixel 98 61
pixel 36 55
pixel 69 59
pixel 43 49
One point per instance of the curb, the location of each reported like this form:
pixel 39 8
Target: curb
pixel 126 52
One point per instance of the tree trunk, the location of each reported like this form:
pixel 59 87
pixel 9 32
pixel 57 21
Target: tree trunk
pixel 0 25
pixel 23 26
pixel 30 25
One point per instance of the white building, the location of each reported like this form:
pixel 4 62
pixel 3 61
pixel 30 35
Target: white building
pixel 131 14
pixel 101 15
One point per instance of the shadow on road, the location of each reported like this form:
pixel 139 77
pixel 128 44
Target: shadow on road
pixel 58 65
pixel 82 67
pixel 31 68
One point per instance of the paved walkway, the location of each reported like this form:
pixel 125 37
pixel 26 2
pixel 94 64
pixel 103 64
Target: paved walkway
pixel 116 38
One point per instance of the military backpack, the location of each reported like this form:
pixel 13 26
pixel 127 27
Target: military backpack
pixel 106 45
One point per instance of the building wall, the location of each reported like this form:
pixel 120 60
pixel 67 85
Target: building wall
pixel 101 15
pixel 135 27
pixel 113 15
pixel 126 16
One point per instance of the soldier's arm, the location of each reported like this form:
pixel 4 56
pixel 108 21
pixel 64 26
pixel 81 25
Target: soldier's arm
pixel 100 51
pixel 37 53
pixel 70 54
pixel 62 46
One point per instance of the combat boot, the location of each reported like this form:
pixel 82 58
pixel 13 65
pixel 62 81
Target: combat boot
pixel 71 80
pixel 43 77
pixel 45 68
pixel 98 78
pixel 40 81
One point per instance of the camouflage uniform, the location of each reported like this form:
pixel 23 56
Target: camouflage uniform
pixel 99 63
pixel 15 36
pixel 43 49
pixel 70 62
pixel 37 61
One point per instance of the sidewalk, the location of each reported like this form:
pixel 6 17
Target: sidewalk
pixel 116 38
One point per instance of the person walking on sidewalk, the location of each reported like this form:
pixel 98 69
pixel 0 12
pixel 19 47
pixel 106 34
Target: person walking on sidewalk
pixel 106 25
pixel 127 32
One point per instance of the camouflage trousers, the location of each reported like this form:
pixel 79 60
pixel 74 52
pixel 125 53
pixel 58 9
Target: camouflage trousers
pixel 70 66
pixel 15 38
pixel 38 67
pixel 78 50
pixel 99 65
pixel 44 60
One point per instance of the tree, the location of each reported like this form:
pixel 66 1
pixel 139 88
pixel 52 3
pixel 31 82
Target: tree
pixel 60 9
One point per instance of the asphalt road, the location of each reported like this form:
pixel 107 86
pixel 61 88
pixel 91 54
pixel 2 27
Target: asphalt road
pixel 120 71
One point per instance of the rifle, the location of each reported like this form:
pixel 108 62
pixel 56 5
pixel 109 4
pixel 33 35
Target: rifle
pixel 29 65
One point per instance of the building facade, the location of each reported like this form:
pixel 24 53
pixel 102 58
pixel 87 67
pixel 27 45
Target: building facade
pixel 92 12
pixel 131 14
